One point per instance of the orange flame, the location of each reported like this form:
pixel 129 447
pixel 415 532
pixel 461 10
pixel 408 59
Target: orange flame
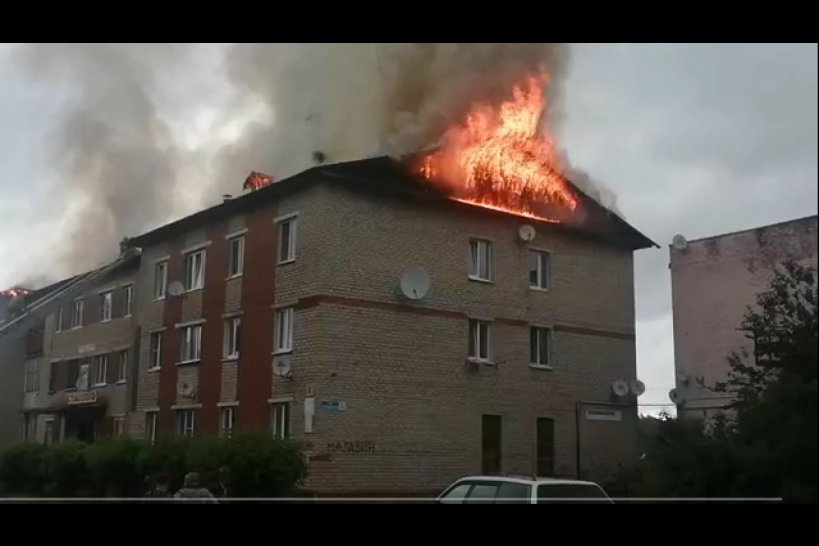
pixel 499 158
pixel 13 292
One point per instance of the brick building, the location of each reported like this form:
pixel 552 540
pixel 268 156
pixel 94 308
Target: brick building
pixel 713 281
pixel 281 309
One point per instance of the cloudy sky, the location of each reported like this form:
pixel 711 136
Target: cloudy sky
pixel 693 139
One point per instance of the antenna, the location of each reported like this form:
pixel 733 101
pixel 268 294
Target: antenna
pixel 676 397
pixel 637 387
pixel 281 367
pixel 619 388
pixel 679 242
pixel 526 233
pixel 414 283
pixel 176 288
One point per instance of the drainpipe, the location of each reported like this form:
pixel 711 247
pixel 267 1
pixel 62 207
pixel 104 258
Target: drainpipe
pixel 578 407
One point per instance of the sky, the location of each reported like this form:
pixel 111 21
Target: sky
pixel 697 139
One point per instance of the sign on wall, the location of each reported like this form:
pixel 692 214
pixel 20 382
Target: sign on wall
pixel 603 415
pixel 333 406
pixel 88 397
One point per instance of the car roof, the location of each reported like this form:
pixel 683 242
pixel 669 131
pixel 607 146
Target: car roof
pixel 525 480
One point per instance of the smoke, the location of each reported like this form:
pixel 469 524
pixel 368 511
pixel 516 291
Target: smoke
pixel 116 157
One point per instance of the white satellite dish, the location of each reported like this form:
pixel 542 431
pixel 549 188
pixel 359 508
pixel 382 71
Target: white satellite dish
pixel 186 389
pixel 281 366
pixel 414 283
pixel 679 242
pixel 637 387
pixel 619 388
pixel 176 288
pixel 526 233
pixel 675 396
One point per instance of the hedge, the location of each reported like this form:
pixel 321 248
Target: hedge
pixel 260 466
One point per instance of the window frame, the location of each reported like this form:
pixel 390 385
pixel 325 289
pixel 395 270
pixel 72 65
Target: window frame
pixel 185 428
pixel 231 334
pixel 474 340
pixel 122 366
pixel 534 337
pixel 191 338
pixel 151 421
pixel 103 380
pixel 59 326
pixel 106 303
pixel 278 347
pixel 281 415
pixel 155 362
pixel 160 282
pixel 239 266
pixel 476 258
pixel 190 276
pixel 543 269
pixel 227 411
pixel 77 310
pixel 290 220
pixel 31 381
pixel 128 305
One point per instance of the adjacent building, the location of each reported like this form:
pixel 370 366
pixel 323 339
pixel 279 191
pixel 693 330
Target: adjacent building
pixel 404 338
pixel 713 281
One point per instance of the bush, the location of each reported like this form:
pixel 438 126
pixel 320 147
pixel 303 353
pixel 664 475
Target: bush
pixel 260 466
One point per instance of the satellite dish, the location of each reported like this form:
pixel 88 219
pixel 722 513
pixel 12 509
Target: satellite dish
pixel 619 388
pixel 186 389
pixel 526 233
pixel 414 283
pixel 637 387
pixel 281 366
pixel 675 397
pixel 176 288
pixel 684 379
pixel 679 242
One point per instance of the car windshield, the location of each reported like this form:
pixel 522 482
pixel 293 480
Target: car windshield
pixel 575 493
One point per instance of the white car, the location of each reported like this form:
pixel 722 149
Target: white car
pixel 521 490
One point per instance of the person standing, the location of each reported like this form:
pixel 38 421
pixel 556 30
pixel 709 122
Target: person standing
pixel 192 492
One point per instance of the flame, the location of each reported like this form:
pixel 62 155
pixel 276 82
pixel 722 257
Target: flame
pixel 256 180
pixel 14 292
pixel 500 158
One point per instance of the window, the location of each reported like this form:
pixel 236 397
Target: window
pixel 129 300
pixel 514 493
pixel 32 383
pixel 283 340
pixel 479 348
pixel 226 422
pixel 482 493
pixel 48 434
pixel 456 495
pixel 191 343
pixel 545 447
pixel 287 240
pixel 539 344
pixel 195 270
pixel 52 377
pixel 185 422
pixel 571 493
pixel 30 432
pixel 230 341
pixel 236 256
pixel 76 314
pixel 160 279
pixel 100 369
pixel 155 351
pixel 480 260
pixel 122 367
pixel 72 374
pixel 119 426
pixel 79 374
pixel 106 299
pixel 491 444
pixel 150 426
pixel 60 320
pixel 280 420
pixel 538 269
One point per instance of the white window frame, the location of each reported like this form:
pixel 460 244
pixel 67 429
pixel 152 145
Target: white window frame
pixel 32 376
pixel 480 258
pixel 478 329
pixel 536 339
pixel 160 280
pixel 191 346
pixel 236 269
pixel 292 222
pixel 151 420
pixel 195 279
pixel 283 330
pixel 543 268
pixel 122 366
pixel 227 419
pixel 231 338
pixel 129 301
pixel 154 356
pixel 77 308
pixel 60 326
pixel 280 419
pixel 185 423
pixel 106 306
pixel 100 363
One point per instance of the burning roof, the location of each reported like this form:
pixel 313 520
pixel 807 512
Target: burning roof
pixel 256 180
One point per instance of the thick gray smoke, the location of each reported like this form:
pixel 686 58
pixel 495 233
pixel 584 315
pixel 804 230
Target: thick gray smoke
pixel 351 101
pixel 116 157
